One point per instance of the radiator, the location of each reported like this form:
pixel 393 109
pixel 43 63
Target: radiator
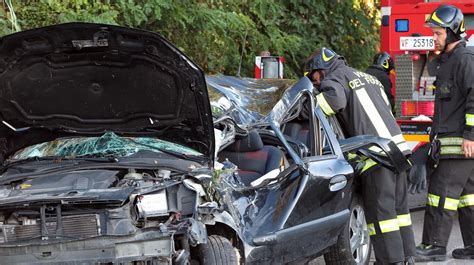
pixel 76 226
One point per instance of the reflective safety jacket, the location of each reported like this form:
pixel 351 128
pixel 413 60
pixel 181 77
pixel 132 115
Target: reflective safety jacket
pixel 360 104
pixel 454 100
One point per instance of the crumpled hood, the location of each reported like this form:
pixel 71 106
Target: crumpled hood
pixel 87 79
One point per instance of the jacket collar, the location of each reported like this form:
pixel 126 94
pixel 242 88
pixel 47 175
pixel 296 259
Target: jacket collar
pixel 445 55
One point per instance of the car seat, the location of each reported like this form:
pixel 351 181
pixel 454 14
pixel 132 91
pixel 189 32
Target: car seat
pixel 298 131
pixel 252 157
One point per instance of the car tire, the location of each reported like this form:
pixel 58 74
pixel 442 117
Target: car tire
pixel 355 231
pixel 217 251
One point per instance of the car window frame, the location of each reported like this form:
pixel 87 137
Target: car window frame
pixel 320 121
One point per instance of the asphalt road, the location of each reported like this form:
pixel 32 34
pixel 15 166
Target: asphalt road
pixel 455 241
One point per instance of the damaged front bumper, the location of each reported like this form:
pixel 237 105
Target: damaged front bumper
pixel 144 246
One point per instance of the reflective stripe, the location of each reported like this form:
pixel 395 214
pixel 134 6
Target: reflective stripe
pixel 384 95
pixel 389 225
pixel 437 19
pixel 372 113
pixel 466 200
pixel 433 200
pixel 451 204
pixel 368 164
pixel 352 156
pixel 377 121
pixel 401 142
pixel 470 119
pixel 451 150
pixel 404 220
pixel 403 147
pixel 371 229
pixel 398 139
pixel 324 104
pixel 376 149
pixel 451 141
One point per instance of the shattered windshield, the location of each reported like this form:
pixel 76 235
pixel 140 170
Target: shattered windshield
pixel 106 145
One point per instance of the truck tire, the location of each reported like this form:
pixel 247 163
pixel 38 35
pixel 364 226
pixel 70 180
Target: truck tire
pixel 217 251
pixel 353 245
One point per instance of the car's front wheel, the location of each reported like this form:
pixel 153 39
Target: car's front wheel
pixel 353 245
pixel 217 251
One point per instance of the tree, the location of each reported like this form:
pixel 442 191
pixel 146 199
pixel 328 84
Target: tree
pixel 215 33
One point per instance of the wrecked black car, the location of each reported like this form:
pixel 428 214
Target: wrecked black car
pixel 112 154
pixel 105 134
pixel 295 196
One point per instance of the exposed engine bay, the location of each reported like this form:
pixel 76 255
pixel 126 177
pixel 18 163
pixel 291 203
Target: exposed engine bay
pixel 89 203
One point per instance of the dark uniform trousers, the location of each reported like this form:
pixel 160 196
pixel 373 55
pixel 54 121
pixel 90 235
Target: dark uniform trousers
pixel 358 100
pixel 451 190
pixel 387 214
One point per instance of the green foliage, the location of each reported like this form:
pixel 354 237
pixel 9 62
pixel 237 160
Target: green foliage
pixel 39 13
pixel 215 33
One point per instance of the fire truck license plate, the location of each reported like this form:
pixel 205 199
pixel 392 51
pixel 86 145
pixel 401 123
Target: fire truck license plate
pixel 416 43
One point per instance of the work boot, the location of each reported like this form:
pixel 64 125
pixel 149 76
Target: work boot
pixel 409 260
pixel 464 253
pixel 430 253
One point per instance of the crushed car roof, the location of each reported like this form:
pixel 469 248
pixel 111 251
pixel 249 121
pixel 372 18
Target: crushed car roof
pixel 256 101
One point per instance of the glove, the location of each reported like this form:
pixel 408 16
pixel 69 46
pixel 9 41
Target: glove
pixel 434 152
pixel 417 178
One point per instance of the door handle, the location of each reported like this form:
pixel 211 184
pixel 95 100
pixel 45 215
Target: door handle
pixel 337 183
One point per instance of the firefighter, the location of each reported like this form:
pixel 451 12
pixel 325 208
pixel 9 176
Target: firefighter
pixel 359 102
pixel 451 186
pixel 382 68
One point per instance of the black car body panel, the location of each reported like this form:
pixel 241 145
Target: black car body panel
pixel 81 78
pixel 83 92
pixel 93 251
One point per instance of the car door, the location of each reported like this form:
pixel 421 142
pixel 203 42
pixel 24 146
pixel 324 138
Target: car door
pixel 304 213
pixel 322 207
pixel 306 207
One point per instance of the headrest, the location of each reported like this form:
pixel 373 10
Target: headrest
pixel 250 143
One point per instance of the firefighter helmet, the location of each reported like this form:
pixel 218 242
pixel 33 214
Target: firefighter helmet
pixel 450 18
pixel 321 59
pixel 383 59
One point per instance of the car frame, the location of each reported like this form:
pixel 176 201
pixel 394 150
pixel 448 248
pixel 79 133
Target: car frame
pixel 311 207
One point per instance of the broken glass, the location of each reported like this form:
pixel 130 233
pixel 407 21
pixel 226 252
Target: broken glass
pixel 255 101
pixel 246 100
pixel 109 144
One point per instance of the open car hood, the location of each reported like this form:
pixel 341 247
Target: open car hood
pixel 87 79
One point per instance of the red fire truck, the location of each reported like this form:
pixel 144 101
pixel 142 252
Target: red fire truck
pixel 410 43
